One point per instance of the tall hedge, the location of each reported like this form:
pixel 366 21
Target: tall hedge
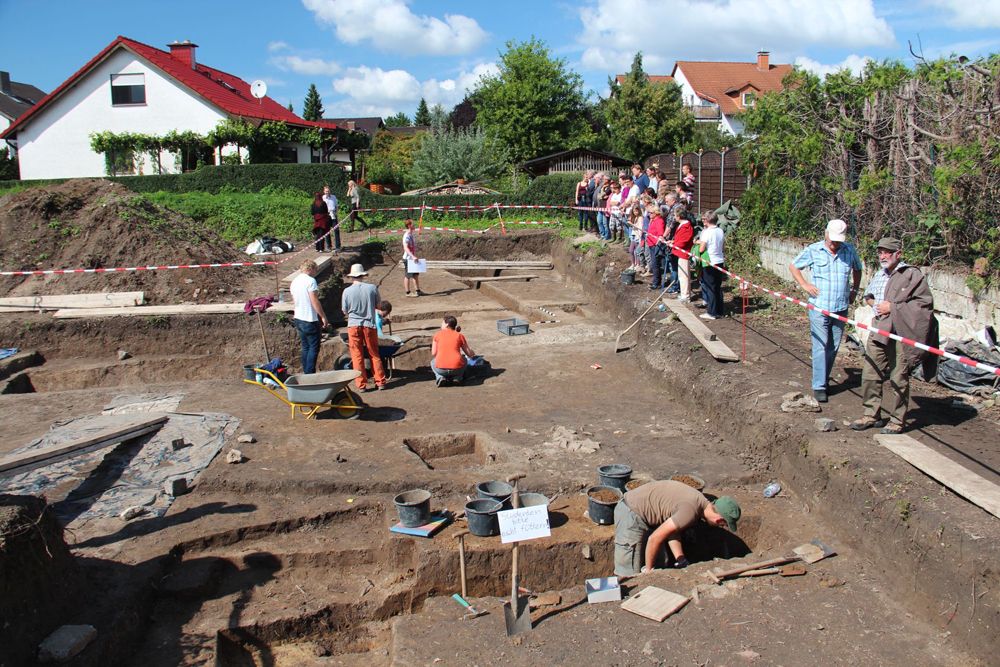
pixel 243 178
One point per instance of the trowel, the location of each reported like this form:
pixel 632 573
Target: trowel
pixel 516 613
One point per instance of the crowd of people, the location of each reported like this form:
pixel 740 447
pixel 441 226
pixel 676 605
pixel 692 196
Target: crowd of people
pixel 652 216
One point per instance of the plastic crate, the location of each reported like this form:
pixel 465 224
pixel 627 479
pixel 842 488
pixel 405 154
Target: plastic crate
pixel 512 327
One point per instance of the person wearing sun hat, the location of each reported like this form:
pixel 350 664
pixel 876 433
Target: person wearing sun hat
pixel 903 305
pixel 359 303
pixel 658 513
pixel 836 276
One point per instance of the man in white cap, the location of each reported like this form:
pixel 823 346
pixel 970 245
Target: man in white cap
pixel 359 302
pixel 836 276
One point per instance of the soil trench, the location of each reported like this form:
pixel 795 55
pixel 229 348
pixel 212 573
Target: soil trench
pixel 287 558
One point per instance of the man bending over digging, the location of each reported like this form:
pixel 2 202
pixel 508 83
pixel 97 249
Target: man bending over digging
pixel 659 512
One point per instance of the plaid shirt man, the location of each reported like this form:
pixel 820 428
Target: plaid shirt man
pixel 830 273
pixel 876 286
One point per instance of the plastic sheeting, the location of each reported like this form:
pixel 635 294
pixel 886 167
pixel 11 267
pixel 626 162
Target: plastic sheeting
pixel 103 483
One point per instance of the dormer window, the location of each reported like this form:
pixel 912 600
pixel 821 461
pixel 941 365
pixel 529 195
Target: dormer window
pixel 128 89
pixel 749 99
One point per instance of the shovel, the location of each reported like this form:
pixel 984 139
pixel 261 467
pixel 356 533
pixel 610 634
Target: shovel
pixel 516 613
pixel 618 341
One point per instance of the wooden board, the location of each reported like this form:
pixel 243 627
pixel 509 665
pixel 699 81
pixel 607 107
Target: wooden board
pixel 179 309
pixel 323 262
pixel 438 521
pixel 29 304
pixel 15 465
pixel 478 280
pixel 655 603
pixel 961 480
pixel 483 264
pixel 705 336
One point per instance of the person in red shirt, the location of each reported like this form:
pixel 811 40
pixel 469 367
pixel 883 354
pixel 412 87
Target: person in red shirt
pixel 657 250
pixel 449 352
pixel 681 246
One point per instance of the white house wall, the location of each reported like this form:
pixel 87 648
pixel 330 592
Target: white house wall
pixel 56 142
pixel 726 123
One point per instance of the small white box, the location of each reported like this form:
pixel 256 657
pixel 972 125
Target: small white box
pixel 603 590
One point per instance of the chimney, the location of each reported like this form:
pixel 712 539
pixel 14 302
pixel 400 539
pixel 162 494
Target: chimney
pixel 184 51
pixel 763 58
pixel 5 83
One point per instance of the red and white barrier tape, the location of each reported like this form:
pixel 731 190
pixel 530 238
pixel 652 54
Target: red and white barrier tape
pixel 125 269
pixel 860 325
pixel 376 232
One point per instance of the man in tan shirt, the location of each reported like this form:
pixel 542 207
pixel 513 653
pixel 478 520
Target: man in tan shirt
pixel 659 512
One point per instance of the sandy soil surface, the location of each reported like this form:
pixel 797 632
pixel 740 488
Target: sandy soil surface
pixel 286 558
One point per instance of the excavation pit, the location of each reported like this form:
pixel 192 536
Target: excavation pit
pixel 454 451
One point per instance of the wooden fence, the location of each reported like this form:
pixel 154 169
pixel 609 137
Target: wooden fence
pixel 719 177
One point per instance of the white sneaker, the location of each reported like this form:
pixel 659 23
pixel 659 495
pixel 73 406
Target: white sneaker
pixel 706 316
pixel 683 299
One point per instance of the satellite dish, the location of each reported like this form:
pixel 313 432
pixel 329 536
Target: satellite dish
pixel 258 89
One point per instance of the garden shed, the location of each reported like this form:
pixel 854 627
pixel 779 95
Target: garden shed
pixel 578 160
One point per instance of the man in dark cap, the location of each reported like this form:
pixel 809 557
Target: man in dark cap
pixel 658 513
pixel 903 305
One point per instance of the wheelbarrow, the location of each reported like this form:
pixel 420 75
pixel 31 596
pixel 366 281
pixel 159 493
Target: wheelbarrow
pixel 307 394
pixel 388 346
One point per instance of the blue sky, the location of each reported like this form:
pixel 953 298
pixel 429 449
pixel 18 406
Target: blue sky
pixel 376 57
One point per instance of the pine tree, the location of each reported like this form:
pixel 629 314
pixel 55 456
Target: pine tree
pixel 312 108
pixel 291 108
pixel 423 115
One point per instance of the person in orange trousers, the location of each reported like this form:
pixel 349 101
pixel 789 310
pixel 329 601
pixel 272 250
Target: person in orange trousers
pixel 359 302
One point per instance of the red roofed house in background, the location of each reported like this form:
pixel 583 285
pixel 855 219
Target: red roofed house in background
pixel 133 87
pixel 719 92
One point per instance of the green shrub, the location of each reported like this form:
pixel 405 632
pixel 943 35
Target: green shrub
pixel 244 178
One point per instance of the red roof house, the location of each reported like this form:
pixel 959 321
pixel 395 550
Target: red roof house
pixel 721 91
pixel 133 87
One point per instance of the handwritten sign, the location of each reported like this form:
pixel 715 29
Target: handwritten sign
pixel 526 523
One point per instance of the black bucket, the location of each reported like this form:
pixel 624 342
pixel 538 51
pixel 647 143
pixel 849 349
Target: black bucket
pixel 615 475
pixel 628 277
pixel 533 500
pixel 414 507
pixel 602 512
pixel 482 516
pixel 499 491
pixel 250 372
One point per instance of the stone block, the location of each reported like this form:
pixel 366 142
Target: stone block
pixel 65 643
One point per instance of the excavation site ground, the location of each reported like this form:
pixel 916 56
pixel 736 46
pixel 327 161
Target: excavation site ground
pixel 286 557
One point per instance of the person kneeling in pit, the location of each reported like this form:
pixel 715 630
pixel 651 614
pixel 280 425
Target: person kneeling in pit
pixel 450 352
pixel 657 513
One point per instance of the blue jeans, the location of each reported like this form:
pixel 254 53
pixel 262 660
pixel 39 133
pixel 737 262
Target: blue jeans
pixel 826 333
pixel 452 374
pixel 582 215
pixel 711 290
pixel 671 277
pixel 602 226
pixel 309 334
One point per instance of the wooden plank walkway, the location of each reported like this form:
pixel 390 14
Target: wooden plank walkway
pixel 323 262
pixel 705 336
pixel 35 303
pixel 961 480
pixel 179 309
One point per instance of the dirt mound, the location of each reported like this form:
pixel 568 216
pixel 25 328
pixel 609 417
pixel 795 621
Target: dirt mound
pixel 94 223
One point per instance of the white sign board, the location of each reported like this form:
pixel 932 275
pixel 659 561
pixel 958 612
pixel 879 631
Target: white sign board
pixel 526 523
pixel 416 266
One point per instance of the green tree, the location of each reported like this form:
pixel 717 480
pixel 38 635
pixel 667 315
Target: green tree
pixel 423 115
pixel 291 108
pixel 534 105
pixel 312 108
pixel 708 137
pixel 390 157
pixel 445 155
pixel 8 165
pixel 398 120
pixel 439 117
pixel 645 118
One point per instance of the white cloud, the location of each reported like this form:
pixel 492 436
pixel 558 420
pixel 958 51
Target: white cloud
pixel 721 30
pixel 392 27
pixel 274 47
pixel 307 66
pixel 853 62
pixel 372 91
pixel 971 14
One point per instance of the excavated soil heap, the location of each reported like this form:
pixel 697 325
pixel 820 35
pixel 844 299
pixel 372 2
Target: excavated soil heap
pixel 94 223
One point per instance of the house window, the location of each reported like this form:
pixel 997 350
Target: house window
pixel 288 154
pixel 128 89
pixel 120 163
pixel 749 99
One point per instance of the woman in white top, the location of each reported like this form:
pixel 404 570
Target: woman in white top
pixel 712 241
